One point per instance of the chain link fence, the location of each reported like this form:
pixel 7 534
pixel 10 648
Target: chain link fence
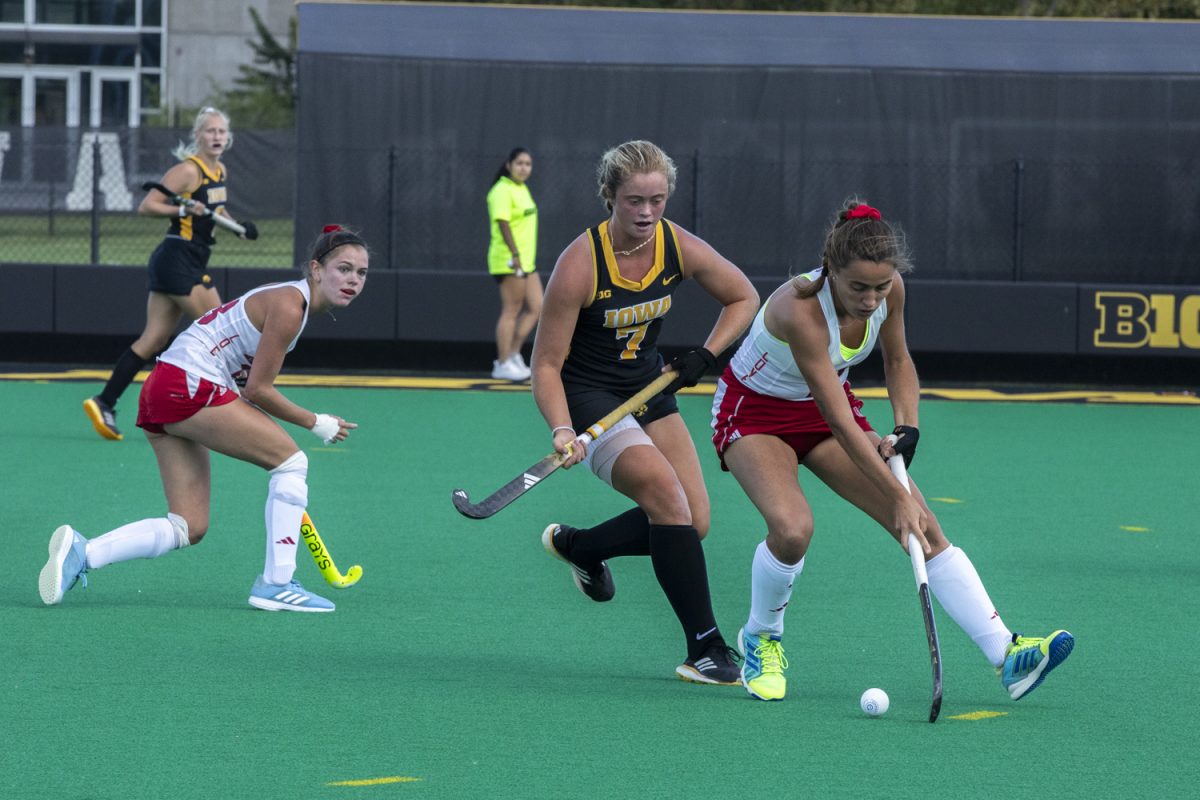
pixel 1013 219
pixel 70 196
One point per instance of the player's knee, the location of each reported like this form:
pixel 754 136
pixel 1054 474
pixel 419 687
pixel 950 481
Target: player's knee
pixel 701 518
pixel 187 530
pixel 289 481
pixel 791 533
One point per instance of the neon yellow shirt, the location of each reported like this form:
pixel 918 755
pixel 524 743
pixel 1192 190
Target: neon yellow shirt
pixel 512 202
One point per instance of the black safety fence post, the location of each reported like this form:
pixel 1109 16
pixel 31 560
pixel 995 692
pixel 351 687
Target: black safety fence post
pixel 696 192
pixel 50 209
pixel 391 208
pixel 95 200
pixel 1018 215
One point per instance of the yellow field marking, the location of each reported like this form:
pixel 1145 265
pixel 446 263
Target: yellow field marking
pixel 977 715
pixel 1135 528
pixel 869 393
pixel 375 781
pixel 950 500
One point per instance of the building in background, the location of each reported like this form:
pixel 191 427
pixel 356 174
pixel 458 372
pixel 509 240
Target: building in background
pixel 113 63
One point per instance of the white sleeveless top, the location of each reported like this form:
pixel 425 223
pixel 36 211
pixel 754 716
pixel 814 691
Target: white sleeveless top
pixel 222 343
pixel 764 363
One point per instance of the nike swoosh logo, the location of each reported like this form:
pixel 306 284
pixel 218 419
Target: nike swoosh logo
pixel 668 280
pixel 700 636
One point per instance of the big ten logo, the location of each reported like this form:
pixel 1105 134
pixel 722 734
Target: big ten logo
pixel 1133 319
pixel 604 294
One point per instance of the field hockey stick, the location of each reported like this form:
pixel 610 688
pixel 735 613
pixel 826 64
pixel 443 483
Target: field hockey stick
pixel 219 219
pixel 918 564
pixel 534 475
pixel 324 561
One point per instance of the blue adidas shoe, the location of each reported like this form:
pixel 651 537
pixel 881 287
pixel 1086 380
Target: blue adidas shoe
pixel 286 597
pixel 66 565
pixel 1029 660
pixel 763 665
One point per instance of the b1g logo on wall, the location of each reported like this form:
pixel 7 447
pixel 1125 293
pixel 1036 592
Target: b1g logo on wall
pixel 1167 321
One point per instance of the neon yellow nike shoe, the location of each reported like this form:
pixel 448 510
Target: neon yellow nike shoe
pixel 763 665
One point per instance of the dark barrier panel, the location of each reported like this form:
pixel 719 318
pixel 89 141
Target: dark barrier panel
pixel 1139 320
pixel 1039 150
pixel 27 301
pixel 456 308
pixel 991 317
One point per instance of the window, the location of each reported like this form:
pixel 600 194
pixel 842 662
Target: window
pixel 86 12
pixel 10 102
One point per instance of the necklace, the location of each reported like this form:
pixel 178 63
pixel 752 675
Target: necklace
pixel 630 252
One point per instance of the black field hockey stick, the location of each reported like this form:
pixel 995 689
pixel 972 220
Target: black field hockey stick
pixel 534 475
pixel 918 564
pixel 220 219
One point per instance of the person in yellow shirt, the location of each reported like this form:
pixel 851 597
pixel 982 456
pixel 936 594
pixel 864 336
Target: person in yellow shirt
pixel 512 262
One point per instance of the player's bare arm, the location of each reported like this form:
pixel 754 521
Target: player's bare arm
pixel 727 284
pixel 899 371
pixel 568 290
pixel 801 323
pixel 278 313
pixel 183 178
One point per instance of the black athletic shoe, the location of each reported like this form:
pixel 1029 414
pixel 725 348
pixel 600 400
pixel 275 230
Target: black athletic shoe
pixel 103 417
pixel 596 582
pixel 717 665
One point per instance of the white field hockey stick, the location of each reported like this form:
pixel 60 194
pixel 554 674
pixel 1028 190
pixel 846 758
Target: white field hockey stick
pixel 533 476
pixel 220 219
pixel 918 564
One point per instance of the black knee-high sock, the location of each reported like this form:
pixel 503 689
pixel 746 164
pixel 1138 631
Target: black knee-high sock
pixel 626 534
pixel 127 367
pixel 678 560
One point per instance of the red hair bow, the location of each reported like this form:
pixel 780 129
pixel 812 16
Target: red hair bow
pixel 863 211
pixel 332 228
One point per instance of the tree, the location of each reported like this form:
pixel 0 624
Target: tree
pixel 264 93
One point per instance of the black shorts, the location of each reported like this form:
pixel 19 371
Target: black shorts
pixel 177 266
pixel 588 406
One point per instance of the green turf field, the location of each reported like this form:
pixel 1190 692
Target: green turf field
pixel 466 665
pixel 129 239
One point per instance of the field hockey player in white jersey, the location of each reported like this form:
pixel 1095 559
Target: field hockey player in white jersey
pixel 191 405
pixel 784 401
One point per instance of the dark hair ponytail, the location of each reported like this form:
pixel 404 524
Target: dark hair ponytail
pixel 331 238
pixel 858 232
pixel 503 171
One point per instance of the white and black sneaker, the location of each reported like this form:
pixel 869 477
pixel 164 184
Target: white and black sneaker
pixel 596 582
pixel 717 664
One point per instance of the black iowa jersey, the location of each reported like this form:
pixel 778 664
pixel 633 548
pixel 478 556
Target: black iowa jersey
pixel 212 194
pixel 615 341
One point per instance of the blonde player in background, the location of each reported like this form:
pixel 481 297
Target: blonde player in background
pixel 178 271
pixel 190 405
pixel 784 402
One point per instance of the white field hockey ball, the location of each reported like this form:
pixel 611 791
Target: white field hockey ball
pixel 874 702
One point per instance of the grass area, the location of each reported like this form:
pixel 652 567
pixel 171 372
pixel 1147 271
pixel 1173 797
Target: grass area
pixel 66 238
pixel 466 665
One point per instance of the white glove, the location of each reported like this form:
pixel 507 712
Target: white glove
pixel 326 428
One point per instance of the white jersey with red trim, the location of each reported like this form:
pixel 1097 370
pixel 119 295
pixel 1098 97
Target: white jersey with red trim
pixel 220 345
pixel 765 364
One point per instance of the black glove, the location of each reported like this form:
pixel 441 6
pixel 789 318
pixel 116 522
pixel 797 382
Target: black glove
pixel 251 230
pixel 691 367
pixel 906 444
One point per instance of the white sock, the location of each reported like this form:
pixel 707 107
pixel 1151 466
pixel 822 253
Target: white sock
pixel 956 585
pixel 146 538
pixel 770 590
pixel 286 501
